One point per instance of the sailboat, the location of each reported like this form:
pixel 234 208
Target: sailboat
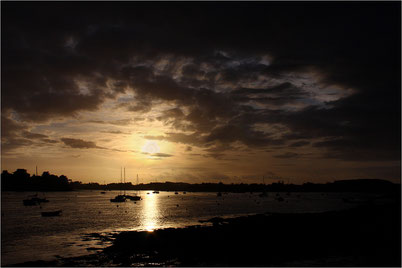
pixel 119 198
pixel 131 197
pixel 34 200
pixel 264 193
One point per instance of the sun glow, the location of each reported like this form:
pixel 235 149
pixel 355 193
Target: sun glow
pixel 150 147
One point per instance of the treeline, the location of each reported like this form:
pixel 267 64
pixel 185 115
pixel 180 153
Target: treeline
pixel 21 180
pixel 359 185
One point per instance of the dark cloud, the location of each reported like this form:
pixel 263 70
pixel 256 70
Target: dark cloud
pixel 287 155
pixel 8 145
pixel 10 127
pixel 50 141
pixel 161 155
pixel 299 143
pixel 115 132
pixel 79 143
pixel 223 74
pixel 16 134
pixel 30 135
pixel 158 156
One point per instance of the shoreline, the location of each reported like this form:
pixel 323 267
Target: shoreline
pixel 368 235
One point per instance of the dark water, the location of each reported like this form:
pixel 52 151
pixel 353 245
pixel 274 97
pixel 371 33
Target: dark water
pixel 26 236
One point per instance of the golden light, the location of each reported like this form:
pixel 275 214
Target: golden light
pixel 150 212
pixel 150 147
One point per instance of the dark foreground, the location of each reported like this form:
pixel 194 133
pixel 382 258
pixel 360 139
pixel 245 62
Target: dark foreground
pixel 369 235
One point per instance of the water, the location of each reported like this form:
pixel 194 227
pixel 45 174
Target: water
pixel 26 236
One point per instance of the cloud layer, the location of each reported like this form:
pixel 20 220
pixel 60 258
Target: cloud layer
pixel 233 77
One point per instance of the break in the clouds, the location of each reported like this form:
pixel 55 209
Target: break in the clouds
pixel 220 80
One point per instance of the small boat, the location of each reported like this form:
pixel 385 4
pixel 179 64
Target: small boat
pixel 51 213
pixel 155 192
pixel 176 192
pixel 103 192
pixel 34 200
pixel 29 202
pixel 118 199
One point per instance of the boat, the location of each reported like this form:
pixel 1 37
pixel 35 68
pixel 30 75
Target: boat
pixel 135 197
pixel 103 192
pixel 29 202
pixel 176 192
pixel 34 200
pixel 155 192
pixel 118 199
pixel 51 213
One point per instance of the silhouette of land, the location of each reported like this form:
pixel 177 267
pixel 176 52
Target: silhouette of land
pixel 20 180
pixel 369 235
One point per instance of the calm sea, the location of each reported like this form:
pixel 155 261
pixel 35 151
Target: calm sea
pixel 27 236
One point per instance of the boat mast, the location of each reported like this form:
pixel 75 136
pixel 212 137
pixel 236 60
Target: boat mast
pixel 137 185
pixel 121 179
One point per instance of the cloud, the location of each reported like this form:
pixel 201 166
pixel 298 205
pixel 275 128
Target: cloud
pixel 287 155
pixel 115 132
pixel 158 155
pixel 299 143
pixel 31 135
pixel 15 134
pixel 298 74
pixel 79 143
pixel 161 155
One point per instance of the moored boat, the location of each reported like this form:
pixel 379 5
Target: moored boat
pixel 34 200
pixel 51 213
pixel 118 199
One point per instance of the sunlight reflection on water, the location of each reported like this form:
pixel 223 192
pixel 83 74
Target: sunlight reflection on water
pixel 150 212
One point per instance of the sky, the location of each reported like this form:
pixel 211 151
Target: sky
pixel 231 92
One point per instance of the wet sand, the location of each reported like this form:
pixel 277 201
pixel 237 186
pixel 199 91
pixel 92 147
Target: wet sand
pixel 369 235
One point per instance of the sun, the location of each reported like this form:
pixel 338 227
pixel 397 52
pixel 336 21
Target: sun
pixel 150 147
